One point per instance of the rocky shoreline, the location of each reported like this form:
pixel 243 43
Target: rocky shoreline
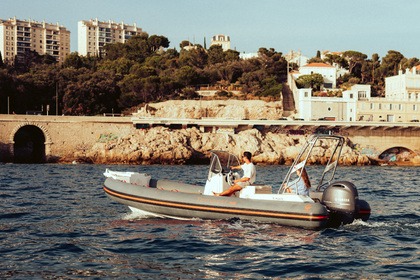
pixel 161 145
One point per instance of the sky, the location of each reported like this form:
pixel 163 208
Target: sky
pixel 367 26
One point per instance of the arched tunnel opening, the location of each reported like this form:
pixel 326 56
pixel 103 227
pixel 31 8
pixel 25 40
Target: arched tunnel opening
pixel 397 154
pixel 29 145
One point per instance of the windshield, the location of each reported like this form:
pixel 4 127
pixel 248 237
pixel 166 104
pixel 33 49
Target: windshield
pixel 220 162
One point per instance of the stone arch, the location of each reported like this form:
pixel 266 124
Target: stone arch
pixel 397 154
pixel 30 143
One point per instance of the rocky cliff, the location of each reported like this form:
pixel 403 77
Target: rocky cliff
pixel 227 109
pixel 160 145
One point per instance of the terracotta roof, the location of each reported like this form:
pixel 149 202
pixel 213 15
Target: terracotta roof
pixel 318 64
pixel 418 67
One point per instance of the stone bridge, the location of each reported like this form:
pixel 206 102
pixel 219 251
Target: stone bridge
pixel 27 138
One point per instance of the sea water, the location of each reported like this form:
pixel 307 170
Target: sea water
pixel 57 223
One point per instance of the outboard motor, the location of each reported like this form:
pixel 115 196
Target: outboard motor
pixel 341 199
pixel 363 212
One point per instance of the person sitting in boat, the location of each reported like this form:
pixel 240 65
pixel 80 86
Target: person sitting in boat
pixel 250 173
pixel 303 184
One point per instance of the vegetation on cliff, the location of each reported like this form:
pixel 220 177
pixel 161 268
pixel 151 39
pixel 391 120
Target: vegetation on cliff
pixel 143 70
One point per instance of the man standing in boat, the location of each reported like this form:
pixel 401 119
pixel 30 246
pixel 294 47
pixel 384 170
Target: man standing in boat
pixel 250 173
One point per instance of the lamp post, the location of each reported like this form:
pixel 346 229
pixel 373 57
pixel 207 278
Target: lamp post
pixel 8 105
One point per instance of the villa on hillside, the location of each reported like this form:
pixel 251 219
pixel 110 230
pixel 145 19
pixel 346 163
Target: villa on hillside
pixel 221 40
pixel 328 72
pixel 400 104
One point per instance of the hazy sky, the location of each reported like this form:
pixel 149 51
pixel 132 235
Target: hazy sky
pixel 368 26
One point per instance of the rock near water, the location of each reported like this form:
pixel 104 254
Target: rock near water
pixel 161 145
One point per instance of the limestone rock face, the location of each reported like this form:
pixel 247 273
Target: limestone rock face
pixel 227 109
pixel 161 145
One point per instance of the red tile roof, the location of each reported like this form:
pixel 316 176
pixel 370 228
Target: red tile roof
pixel 318 64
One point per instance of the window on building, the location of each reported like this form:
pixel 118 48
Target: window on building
pixel 372 106
pixel 379 106
pixel 400 107
pixel 351 95
pixel 306 94
pixel 390 106
pixel 414 107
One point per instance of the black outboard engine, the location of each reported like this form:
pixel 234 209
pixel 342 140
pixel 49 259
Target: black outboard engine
pixel 341 199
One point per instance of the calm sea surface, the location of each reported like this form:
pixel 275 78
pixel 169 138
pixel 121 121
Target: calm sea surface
pixel 57 223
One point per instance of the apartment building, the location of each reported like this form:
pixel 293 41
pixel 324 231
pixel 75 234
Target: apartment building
pixel 221 40
pixel 19 36
pixel 93 35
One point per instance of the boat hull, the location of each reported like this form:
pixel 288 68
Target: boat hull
pixel 174 199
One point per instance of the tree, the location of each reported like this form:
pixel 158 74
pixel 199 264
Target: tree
pixel 186 76
pixel 314 81
pixel 120 66
pixel 196 57
pixel 270 88
pixel 156 42
pixel 410 63
pixel 315 60
pixel 184 44
pixel 354 59
pixel 337 59
pixel 215 54
pixel 7 90
pixel 137 49
pixel 231 55
pixel 73 60
pixel 114 51
pixel 375 65
pixel 91 93
pixel 391 63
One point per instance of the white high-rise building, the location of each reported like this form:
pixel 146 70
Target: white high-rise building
pixel 93 35
pixel 20 36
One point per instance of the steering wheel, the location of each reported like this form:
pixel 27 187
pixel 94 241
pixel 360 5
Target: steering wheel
pixel 230 177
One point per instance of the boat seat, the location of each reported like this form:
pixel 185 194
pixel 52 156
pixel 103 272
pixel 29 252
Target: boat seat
pixel 247 192
pixel 262 189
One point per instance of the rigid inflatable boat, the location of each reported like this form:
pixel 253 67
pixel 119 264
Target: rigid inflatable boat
pixel 329 203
